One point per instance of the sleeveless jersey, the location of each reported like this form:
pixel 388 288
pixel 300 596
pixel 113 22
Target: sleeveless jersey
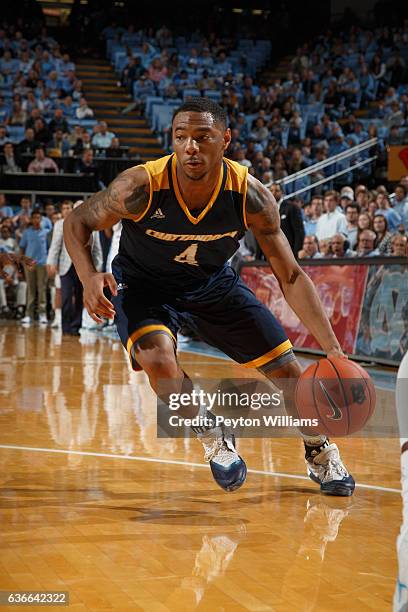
pixel 170 248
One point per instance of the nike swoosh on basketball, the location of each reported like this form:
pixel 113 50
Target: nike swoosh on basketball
pixel 337 413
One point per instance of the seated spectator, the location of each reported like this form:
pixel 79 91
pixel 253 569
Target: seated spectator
pixel 34 115
pixel 114 150
pixel 102 139
pixel 4 111
pixel 86 166
pixel 351 230
pixel 399 245
pixel 83 111
pixel 131 72
pixel 364 222
pixel 395 116
pixel 84 144
pixel 10 160
pixel 383 237
pixel 7 242
pixel 41 132
pixel 29 144
pixel 4 136
pixel 400 204
pixel 365 244
pixel 34 244
pixel 75 135
pixel 58 146
pixel 384 208
pixel 13 292
pixel 325 247
pixel 5 210
pixel 339 247
pixel 332 221
pixel 310 248
pixel 157 71
pixel 41 163
pixel 58 122
pixel 241 158
pixel 260 133
pixel 346 196
pixel 68 108
pixel 18 115
pixel 395 138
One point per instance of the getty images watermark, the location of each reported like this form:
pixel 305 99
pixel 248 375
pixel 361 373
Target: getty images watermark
pixel 249 407
pixel 198 398
pixel 255 408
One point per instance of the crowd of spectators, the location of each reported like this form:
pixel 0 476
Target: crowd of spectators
pixel 44 114
pixel 277 129
pixel 50 291
pixel 340 90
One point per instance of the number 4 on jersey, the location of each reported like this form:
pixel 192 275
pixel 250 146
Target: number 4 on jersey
pixel 188 256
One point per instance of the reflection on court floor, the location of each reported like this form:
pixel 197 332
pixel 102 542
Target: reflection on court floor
pixel 93 503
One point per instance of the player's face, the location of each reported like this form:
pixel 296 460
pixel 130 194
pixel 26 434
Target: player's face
pixel 199 143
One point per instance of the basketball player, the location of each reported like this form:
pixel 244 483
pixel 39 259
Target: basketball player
pixel 401 592
pixel 183 216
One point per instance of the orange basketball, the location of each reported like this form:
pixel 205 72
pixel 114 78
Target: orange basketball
pixel 339 393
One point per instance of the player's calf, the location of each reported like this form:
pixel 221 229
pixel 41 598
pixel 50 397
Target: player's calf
pixel 323 462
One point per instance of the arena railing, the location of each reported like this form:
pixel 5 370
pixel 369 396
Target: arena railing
pixel 301 175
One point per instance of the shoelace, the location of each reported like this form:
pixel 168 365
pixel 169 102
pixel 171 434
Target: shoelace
pixel 333 469
pixel 220 450
pixel 211 449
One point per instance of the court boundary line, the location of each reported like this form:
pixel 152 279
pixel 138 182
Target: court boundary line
pixel 63 451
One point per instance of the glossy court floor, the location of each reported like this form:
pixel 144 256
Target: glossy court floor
pixel 91 502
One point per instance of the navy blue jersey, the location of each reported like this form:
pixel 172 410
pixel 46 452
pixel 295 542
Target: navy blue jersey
pixel 171 249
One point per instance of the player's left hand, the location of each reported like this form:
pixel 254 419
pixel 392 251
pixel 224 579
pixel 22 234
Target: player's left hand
pixel 336 352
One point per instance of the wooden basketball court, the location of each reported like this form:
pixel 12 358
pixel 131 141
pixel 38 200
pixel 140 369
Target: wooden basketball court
pixel 91 502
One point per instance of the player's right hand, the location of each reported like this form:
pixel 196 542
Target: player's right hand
pixel 95 301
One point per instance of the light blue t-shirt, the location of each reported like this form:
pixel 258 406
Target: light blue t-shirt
pixel 34 243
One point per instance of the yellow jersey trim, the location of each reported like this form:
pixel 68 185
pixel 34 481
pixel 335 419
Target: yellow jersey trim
pixel 180 200
pixel 147 329
pixel 156 171
pixel 273 354
pixel 238 181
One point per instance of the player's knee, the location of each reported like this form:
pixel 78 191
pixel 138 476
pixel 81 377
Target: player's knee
pixel 284 366
pixel 160 365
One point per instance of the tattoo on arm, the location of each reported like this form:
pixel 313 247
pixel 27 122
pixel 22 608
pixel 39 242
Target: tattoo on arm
pixel 255 202
pixel 136 202
pixel 261 209
pixel 124 198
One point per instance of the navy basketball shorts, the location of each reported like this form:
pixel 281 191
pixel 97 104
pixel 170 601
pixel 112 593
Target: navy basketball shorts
pixel 230 318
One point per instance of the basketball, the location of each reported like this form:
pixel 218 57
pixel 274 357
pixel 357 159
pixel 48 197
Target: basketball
pixel 339 393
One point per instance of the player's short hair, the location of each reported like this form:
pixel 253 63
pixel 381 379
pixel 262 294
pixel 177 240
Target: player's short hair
pixel 203 105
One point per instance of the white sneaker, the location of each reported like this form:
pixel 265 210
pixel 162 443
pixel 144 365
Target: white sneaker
pixel 227 467
pixel 26 320
pixel 43 319
pixel 327 469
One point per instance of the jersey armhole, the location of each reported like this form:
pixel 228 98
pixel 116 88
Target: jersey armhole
pixel 140 217
pixel 244 198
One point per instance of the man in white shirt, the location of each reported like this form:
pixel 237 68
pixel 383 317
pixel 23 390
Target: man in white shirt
pixel 332 221
pixel 103 139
